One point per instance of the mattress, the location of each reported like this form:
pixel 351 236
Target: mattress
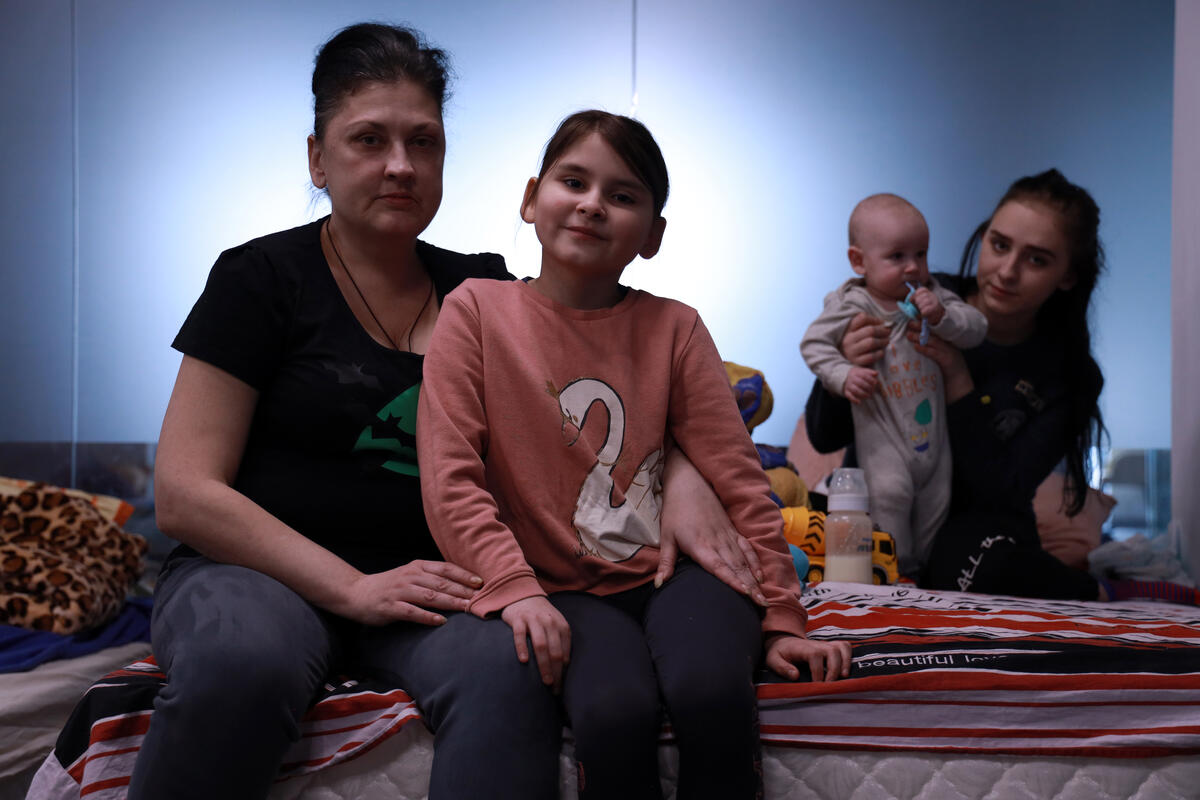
pixel 399 771
pixel 951 695
pixel 35 704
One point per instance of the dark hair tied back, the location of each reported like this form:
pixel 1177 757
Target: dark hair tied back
pixel 371 52
pixel 631 140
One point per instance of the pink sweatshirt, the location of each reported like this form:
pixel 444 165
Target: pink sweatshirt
pixel 541 435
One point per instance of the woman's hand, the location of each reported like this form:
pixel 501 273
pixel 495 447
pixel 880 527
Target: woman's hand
pixel 695 523
pixel 407 593
pixel 864 340
pixel 827 661
pixel 956 378
pixel 548 632
pixel 713 543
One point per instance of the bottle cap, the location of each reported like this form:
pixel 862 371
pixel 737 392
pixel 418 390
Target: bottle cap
pixel 848 491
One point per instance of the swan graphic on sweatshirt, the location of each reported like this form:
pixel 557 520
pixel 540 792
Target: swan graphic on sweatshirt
pixel 610 529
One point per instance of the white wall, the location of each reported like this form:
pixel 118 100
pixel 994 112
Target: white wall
pixel 37 236
pixel 1185 287
pixel 776 116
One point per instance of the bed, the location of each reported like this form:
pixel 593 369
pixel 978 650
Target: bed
pixel 68 612
pixel 951 695
pixel 35 704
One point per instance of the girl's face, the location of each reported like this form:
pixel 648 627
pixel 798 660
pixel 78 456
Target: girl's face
pixel 1024 258
pixel 381 160
pixel 591 212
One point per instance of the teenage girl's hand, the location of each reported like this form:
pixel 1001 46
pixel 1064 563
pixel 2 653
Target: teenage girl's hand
pixel 827 661
pixel 407 593
pixel 864 340
pixel 860 382
pixel 956 378
pixel 928 304
pixel 548 631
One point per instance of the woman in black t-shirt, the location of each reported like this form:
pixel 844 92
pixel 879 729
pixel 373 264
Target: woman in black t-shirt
pixel 286 467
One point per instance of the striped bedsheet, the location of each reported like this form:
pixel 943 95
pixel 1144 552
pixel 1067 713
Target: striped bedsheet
pixel 972 673
pixel 933 671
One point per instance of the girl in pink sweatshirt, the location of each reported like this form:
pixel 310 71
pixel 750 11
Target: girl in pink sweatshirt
pixel 545 413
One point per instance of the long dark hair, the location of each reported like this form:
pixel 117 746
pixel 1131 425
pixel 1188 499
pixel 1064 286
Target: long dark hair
pixel 1064 316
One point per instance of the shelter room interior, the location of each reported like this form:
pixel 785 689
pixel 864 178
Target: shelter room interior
pixel 143 138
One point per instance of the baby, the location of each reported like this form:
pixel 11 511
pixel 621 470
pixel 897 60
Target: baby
pixel 899 407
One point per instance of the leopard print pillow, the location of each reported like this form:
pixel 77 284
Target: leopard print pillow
pixel 64 567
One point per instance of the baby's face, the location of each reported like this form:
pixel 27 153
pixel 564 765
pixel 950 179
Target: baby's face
pixel 893 247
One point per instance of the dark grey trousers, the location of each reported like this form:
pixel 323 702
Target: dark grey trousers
pixel 689 649
pixel 245 657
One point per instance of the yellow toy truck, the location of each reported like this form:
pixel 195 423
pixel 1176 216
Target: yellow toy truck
pixel 805 529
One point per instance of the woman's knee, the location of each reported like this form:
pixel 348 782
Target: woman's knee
pixel 244 676
pixel 229 635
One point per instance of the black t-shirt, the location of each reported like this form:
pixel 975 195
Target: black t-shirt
pixel 332 446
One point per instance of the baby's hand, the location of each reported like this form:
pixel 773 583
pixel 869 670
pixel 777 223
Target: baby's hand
pixel 928 304
pixel 547 630
pixel 827 661
pixel 860 383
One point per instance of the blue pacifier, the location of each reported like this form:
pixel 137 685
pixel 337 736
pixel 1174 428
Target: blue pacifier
pixel 910 311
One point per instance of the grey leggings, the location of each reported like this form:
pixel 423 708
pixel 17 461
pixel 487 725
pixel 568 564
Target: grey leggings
pixel 690 649
pixel 245 657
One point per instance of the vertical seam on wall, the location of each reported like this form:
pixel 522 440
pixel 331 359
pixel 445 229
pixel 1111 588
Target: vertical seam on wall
pixel 74 242
pixel 633 90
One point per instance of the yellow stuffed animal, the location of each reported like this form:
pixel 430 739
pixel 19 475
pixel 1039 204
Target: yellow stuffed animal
pixel 754 400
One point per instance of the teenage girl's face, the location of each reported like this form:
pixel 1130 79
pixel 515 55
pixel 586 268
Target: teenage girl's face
pixel 380 159
pixel 892 253
pixel 1024 258
pixel 591 212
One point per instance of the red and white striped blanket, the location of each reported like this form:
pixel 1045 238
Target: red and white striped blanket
pixel 933 671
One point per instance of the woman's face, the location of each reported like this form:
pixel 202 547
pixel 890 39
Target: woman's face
pixel 380 159
pixel 1024 257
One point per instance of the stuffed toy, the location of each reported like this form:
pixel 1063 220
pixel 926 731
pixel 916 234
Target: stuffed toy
pixel 804 528
pixel 754 400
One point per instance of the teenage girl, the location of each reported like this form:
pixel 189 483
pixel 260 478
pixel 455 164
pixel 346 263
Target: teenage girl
pixel 546 410
pixel 1024 401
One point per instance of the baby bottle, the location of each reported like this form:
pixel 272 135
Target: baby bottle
pixel 848 539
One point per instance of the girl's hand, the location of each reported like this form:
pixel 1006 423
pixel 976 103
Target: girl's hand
pixel 695 523
pixel 956 378
pixel 928 304
pixel 547 629
pixel 406 593
pixel 864 340
pixel 860 382
pixel 827 661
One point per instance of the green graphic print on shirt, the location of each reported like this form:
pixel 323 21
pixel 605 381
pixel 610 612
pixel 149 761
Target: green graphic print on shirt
pixel 403 410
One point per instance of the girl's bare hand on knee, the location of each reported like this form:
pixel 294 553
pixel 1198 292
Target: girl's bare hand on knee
pixel 535 621
pixel 414 592
pixel 827 661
